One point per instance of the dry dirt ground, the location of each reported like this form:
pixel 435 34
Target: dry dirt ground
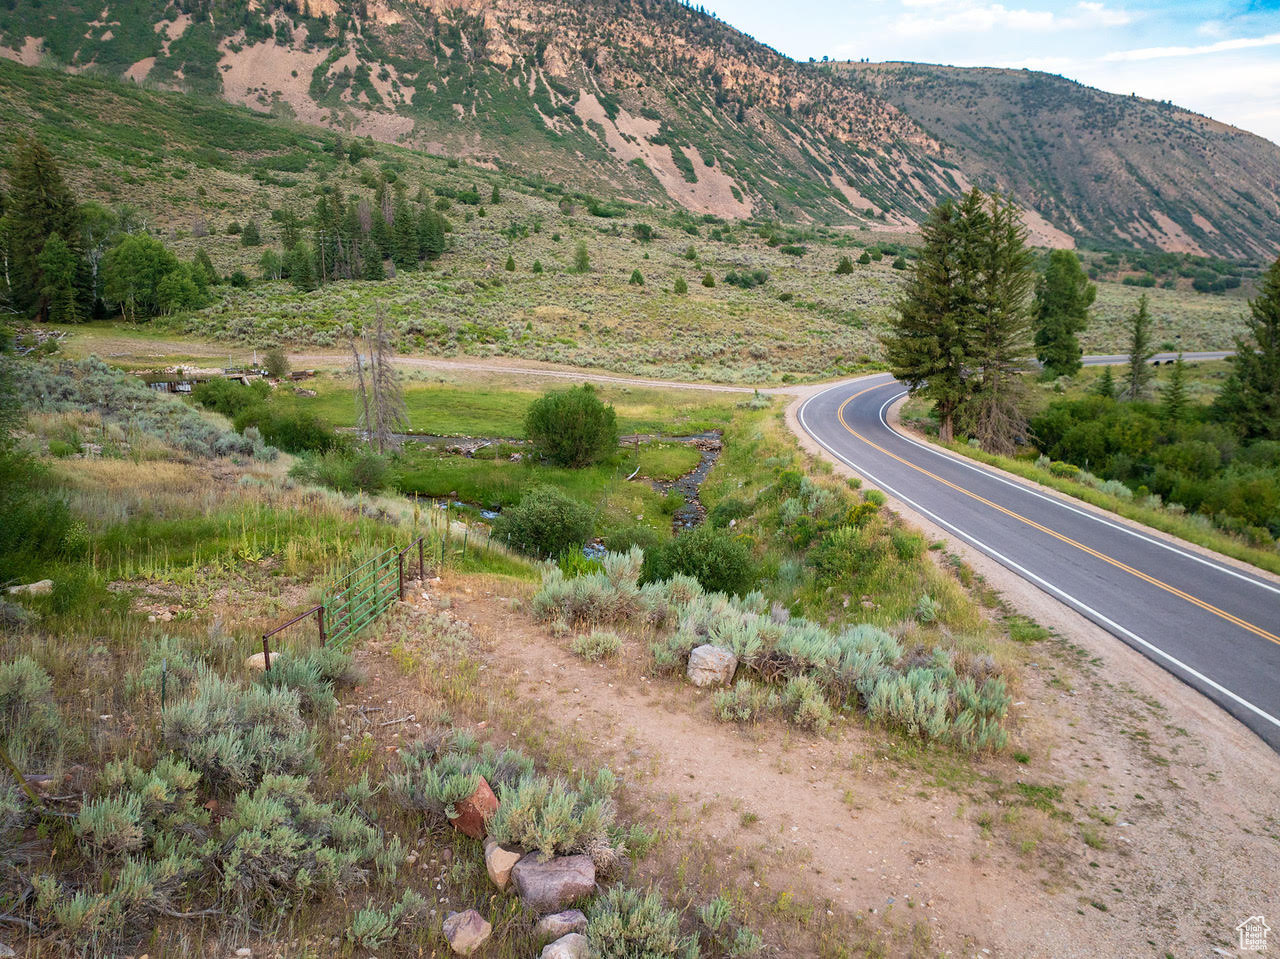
pixel 1136 827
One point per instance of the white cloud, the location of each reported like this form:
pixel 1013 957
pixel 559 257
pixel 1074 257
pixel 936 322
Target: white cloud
pixel 1222 46
pixel 972 17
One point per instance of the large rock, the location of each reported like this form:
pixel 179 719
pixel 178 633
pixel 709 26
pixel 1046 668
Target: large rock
pixel 710 665
pixel 42 588
pixel 499 860
pixel 473 811
pixel 466 931
pixel 572 946
pixel 552 885
pixel 257 663
pixel 560 924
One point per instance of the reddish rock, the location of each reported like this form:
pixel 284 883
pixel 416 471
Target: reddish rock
pixel 473 811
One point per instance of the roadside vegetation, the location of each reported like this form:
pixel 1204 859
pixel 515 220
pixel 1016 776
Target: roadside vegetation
pixel 1197 463
pixel 166 789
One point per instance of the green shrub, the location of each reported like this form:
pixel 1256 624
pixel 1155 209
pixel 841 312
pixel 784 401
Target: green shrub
pixel 746 279
pixel 708 281
pixel 727 510
pixel 845 266
pixel 622 539
pixel 680 287
pixel 234 736
pixel 294 431
pixel 597 645
pixel 229 397
pixel 637 279
pixel 545 523
pixel 276 363
pixel 718 560
pixel 572 427
pixel 628 924
pixel 343 470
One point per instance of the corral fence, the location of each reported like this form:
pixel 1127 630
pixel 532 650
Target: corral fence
pixel 358 597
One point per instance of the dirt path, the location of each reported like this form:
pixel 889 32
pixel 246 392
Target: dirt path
pixel 519 367
pixel 1161 838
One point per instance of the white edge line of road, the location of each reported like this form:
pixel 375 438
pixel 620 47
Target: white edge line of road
pixel 1028 575
pixel 960 461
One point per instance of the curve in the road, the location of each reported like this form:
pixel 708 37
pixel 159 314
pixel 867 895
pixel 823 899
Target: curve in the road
pixel 1212 625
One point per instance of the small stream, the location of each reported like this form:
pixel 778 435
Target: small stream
pixel 692 513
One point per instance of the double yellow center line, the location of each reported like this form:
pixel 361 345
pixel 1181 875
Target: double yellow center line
pixel 1207 607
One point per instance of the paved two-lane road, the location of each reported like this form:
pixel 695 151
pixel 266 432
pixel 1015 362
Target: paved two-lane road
pixel 1214 626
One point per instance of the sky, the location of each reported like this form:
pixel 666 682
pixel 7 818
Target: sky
pixel 1216 57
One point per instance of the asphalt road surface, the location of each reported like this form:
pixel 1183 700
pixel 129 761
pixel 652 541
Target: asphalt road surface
pixel 1212 625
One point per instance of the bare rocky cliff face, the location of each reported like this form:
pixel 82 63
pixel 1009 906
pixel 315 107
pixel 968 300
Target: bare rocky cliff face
pixel 656 101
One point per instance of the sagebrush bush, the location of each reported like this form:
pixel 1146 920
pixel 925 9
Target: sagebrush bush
pixel 443 771
pixel 371 928
pixel 820 671
pixel 119 398
pixel 314 675
pixel 545 523
pixel 744 702
pixel 233 736
pixel 29 720
pixel 725 934
pixel 628 924
pixel 555 818
pixel 597 645
pixel 280 846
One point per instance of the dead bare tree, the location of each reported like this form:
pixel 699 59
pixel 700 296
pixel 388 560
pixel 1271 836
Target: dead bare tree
pixel 380 399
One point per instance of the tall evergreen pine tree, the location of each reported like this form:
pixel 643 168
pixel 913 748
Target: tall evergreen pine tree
pixel 1173 398
pixel 926 345
pixel 962 330
pixel 1138 373
pixel 1063 297
pixel 41 205
pixel 1106 385
pixel 1250 399
pixel 999 339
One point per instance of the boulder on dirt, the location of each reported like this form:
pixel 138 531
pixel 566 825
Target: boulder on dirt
pixel 560 924
pixel 43 588
pixel 551 885
pixel 474 810
pixel 710 665
pixel 257 663
pixel 466 931
pixel 572 946
pixel 499 860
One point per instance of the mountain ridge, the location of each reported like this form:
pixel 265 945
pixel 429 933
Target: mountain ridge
pixel 657 102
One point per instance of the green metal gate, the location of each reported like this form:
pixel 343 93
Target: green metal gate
pixel 361 596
